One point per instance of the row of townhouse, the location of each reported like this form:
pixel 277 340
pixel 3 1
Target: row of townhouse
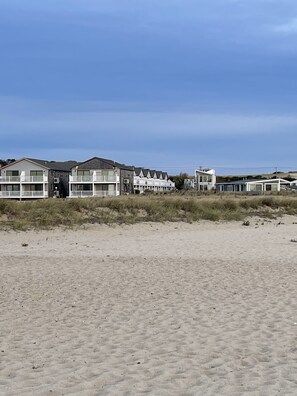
pixel 34 178
pixel 146 179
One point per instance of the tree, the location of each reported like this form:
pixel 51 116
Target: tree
pixel 179 180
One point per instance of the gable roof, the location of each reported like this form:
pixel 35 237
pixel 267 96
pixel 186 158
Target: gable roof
pixel 138 171
pixel 101 163
pixel 145 172
pixel 153 173
pixel 51 165
pixel 54 165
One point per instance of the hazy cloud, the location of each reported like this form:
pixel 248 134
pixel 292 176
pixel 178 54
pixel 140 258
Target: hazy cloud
pixel 171 80
pixel 287 28
pixel 33 119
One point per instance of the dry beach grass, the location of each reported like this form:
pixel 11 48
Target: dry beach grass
pixel 45 214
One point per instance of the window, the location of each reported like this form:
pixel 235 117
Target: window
pixel 108 173
pixel 102 187
pixel 13 187
pixel 36 173
pixel 36 187
pixel 12 173
pixel 83 173
pixel 84 187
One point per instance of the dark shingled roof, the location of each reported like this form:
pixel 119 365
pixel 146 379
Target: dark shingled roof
pixel 145 172
pixel 138 171
pixel 99 163
pixel 54 165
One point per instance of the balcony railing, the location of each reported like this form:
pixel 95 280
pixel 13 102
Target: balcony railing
pixel 87 193
pixel 81 179
pixel 91 193
pixel 105 193
pixel 23 179
pixel 34 179
pixel 10 179
pixel 36 194
pixel 23 194
pixel 94 179
pixel 10 194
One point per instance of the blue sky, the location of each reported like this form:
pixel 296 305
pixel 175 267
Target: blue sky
pixel 171 84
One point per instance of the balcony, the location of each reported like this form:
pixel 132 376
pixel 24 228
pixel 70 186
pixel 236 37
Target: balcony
pixel 10 194
pixel 81 179
pixel 91 193
pixel 105 193
pixel 34 179
pixel 23 194
pixel 94 179
pixel 10 179
pixel 23 179
pixel 81 194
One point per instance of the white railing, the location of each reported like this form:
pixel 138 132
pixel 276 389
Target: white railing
pixel 88 193
pixel 23 179
pixel 156 183
pixel 142 182
pixel 106 179
pixel 23 194
pixel 34 179
pixel 10 194
pixel 91 193
pixel 105 193
pixel 34 194
pixel 81 179
pixel 94 179
pixel 10 179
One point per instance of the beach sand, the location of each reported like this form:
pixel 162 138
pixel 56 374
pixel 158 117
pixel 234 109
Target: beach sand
pixel 157 309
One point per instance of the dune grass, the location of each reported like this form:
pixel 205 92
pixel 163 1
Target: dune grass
pixel 51 213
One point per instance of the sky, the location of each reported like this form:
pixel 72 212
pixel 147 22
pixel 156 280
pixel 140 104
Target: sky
pixel 169 85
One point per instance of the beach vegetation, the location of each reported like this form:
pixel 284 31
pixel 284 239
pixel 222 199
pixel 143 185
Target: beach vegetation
pixel 51 213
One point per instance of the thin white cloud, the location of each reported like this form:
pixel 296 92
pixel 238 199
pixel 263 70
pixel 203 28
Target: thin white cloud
pixel 289 27
pixel 71 120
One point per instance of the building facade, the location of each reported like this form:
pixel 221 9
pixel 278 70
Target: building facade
pixel 253 186
pixel 151 180
pixel 29 178
pixel 99 177
pixel 205 179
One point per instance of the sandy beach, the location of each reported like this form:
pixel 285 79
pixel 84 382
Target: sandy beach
pixel 157 309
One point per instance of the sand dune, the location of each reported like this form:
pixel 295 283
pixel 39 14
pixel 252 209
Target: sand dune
pixel 159 309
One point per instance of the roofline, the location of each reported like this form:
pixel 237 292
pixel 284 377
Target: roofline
pixel 107 161
pixel 24 159
pixel 254 181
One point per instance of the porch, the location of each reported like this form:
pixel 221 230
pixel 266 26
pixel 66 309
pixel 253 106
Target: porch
pixel 23 179
pixel 94 190
pixel 23 194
